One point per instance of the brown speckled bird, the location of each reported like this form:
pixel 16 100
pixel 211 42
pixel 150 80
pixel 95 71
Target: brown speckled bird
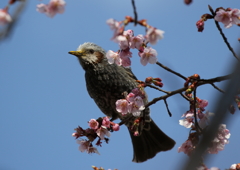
pixel 106 84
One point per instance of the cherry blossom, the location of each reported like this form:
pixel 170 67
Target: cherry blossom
pixel 122 106
pixel 113 57
pixel 220 140
pixel 92 150
pixel 51 9
pixel 136 106
pixel 187 147
pixel 125 57
pixel 228 17
pixel 187 122
pixel 5 18
pixel 83 145
pixel 102 132
pixel 153 35
pixel 203 104
pixel 130 97
pixel 113 24
pixel 122 42
pixel 149 55
pixel 93 124
pixel 137 42
pixel 235 16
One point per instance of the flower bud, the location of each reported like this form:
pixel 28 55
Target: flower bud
pixel 149 80
pixel 157 83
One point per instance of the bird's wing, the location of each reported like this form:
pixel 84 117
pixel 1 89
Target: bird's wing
pixel 130 73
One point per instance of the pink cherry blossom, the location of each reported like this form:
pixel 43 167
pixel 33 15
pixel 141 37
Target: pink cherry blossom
pixel 137 42
pixel 186 147
pixel 139 92
pixel 116 127
pixel 92 150
pixel 125 57
pixel 187 122
pixel 220 140
pixel 113 58
pixel 235 16
pixel 5 18
pixel 122 106
pixel 128 34
pixel 153 35
pixel 106 122
pixel 188 114
pixel 203 104
pixel 122 42
pixel 113 24
pixel 93 124
pixel 137 106
pixel 224 17
pixel 83 145
pixel 149 55
pixel 51 9
pixel 102 132
pixel 130 97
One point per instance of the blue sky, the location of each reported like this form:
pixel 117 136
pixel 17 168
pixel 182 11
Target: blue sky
pixel 43 94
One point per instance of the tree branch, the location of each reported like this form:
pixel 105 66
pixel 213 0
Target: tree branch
pixel 170 70
pixel 200 83
pixel 222 34
pixel 135 13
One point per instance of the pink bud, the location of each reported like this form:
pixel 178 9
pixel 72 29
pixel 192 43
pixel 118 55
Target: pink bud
pixel 116 127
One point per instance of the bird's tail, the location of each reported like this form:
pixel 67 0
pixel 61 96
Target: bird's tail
pixel 150 142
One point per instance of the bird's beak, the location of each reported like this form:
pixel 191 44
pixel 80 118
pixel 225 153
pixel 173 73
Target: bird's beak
pixel 76 53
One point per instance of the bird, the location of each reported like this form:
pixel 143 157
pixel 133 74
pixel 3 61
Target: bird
pixel 106 83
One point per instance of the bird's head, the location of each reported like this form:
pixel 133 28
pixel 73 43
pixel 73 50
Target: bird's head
pixel 89 55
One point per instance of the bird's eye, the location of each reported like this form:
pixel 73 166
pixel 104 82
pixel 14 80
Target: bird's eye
pixel 91 51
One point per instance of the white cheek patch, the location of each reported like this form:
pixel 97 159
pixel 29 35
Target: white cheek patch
pixel 91 58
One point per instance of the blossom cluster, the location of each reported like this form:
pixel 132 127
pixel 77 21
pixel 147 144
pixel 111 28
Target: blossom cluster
pixel 126 41
pixel 233 167
pixel 202 122
pixel 216 145
pixel 52 8
pixel 98 129
pixel 188 120
pixel 220 140
pixel 133 103
pixel 228 16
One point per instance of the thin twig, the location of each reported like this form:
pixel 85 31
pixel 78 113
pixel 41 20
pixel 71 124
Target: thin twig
pixel 165 101
pixel 198 128
pixel 154 87
pixel 170 70
pixel 185 97
pixel 222 91
pixel 222 34
pixel 135 13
